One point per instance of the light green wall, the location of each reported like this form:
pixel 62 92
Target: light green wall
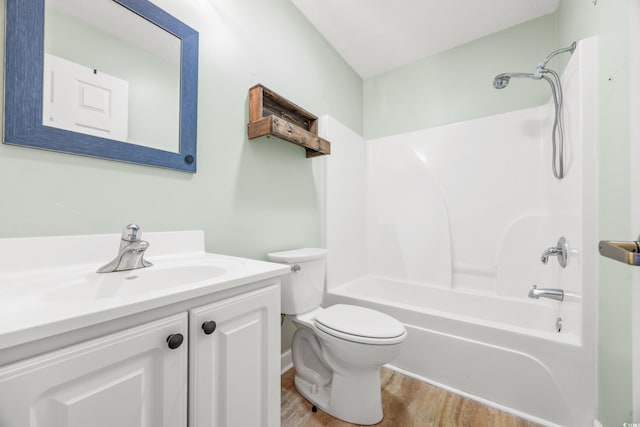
pixel 456 85
pixel 609 21
pixel 250 197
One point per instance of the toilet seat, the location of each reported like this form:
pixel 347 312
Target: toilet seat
pixel 360 325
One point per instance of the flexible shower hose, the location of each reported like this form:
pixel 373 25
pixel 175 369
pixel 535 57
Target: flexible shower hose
pixel 557 135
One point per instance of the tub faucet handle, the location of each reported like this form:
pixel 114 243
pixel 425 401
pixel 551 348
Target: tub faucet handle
pixel 561 251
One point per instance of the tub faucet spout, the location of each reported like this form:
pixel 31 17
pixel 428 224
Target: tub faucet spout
pixel 557 294
pixel 131 253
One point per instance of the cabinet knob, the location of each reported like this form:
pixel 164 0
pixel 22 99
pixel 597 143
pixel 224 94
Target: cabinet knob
pixel 175 341
pixel 209 327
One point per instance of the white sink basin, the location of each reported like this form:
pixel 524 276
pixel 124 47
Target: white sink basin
pixel 85 285
pixel 93 286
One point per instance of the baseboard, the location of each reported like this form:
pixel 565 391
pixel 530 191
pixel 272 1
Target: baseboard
pixel 286 362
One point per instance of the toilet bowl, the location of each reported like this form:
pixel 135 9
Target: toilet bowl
pixel 337 351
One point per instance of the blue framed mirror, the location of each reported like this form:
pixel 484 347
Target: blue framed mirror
pixel 65 92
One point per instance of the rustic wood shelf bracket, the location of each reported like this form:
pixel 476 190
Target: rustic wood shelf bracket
pixel 272 114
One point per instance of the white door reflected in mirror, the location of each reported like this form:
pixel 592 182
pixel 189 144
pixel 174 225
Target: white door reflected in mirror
pixel 81 99
pixel 103 35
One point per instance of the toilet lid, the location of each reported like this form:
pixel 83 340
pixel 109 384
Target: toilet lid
pixel 359 322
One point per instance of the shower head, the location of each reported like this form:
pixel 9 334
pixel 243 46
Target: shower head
pixel 502 80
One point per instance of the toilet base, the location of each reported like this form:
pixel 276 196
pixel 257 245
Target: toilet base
pixel 355 398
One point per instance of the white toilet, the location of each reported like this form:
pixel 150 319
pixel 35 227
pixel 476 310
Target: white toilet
pixel 337 351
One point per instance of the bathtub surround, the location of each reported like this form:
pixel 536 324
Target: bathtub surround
pixel 415 97
pixel 455 253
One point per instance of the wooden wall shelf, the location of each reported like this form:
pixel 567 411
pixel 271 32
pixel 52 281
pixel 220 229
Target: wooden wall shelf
pixel 272 114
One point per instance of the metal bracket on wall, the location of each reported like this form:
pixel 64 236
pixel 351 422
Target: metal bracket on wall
pixel 625 252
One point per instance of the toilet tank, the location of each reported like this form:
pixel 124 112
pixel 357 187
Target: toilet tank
pixel 302 289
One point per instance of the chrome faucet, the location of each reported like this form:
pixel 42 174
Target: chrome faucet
pixel 557 294
pixel 561 250
pixel 131 253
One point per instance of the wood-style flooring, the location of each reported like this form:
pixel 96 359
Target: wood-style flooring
pixel 406 402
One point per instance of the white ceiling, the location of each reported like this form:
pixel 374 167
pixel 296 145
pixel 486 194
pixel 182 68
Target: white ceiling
pixel 375 36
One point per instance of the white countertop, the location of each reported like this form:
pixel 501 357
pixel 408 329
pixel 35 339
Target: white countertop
pixel 49 285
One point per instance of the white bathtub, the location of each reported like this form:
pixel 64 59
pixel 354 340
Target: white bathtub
pixel 499 350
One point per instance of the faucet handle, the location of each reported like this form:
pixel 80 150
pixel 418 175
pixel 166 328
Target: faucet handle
pixel 561 250
pixel 131 233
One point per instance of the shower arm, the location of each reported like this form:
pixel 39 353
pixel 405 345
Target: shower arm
pixel 542 66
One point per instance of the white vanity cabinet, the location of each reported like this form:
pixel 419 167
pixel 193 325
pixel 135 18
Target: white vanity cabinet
pixel 126 379
pixel 86 349
pixel 226 355
pixel 234 347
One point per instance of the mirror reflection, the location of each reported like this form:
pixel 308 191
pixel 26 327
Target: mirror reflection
pixel 110 73
pixel 140 72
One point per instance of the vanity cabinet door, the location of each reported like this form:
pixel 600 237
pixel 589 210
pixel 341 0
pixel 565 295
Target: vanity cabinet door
pixel 234 376
pixel 127 379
